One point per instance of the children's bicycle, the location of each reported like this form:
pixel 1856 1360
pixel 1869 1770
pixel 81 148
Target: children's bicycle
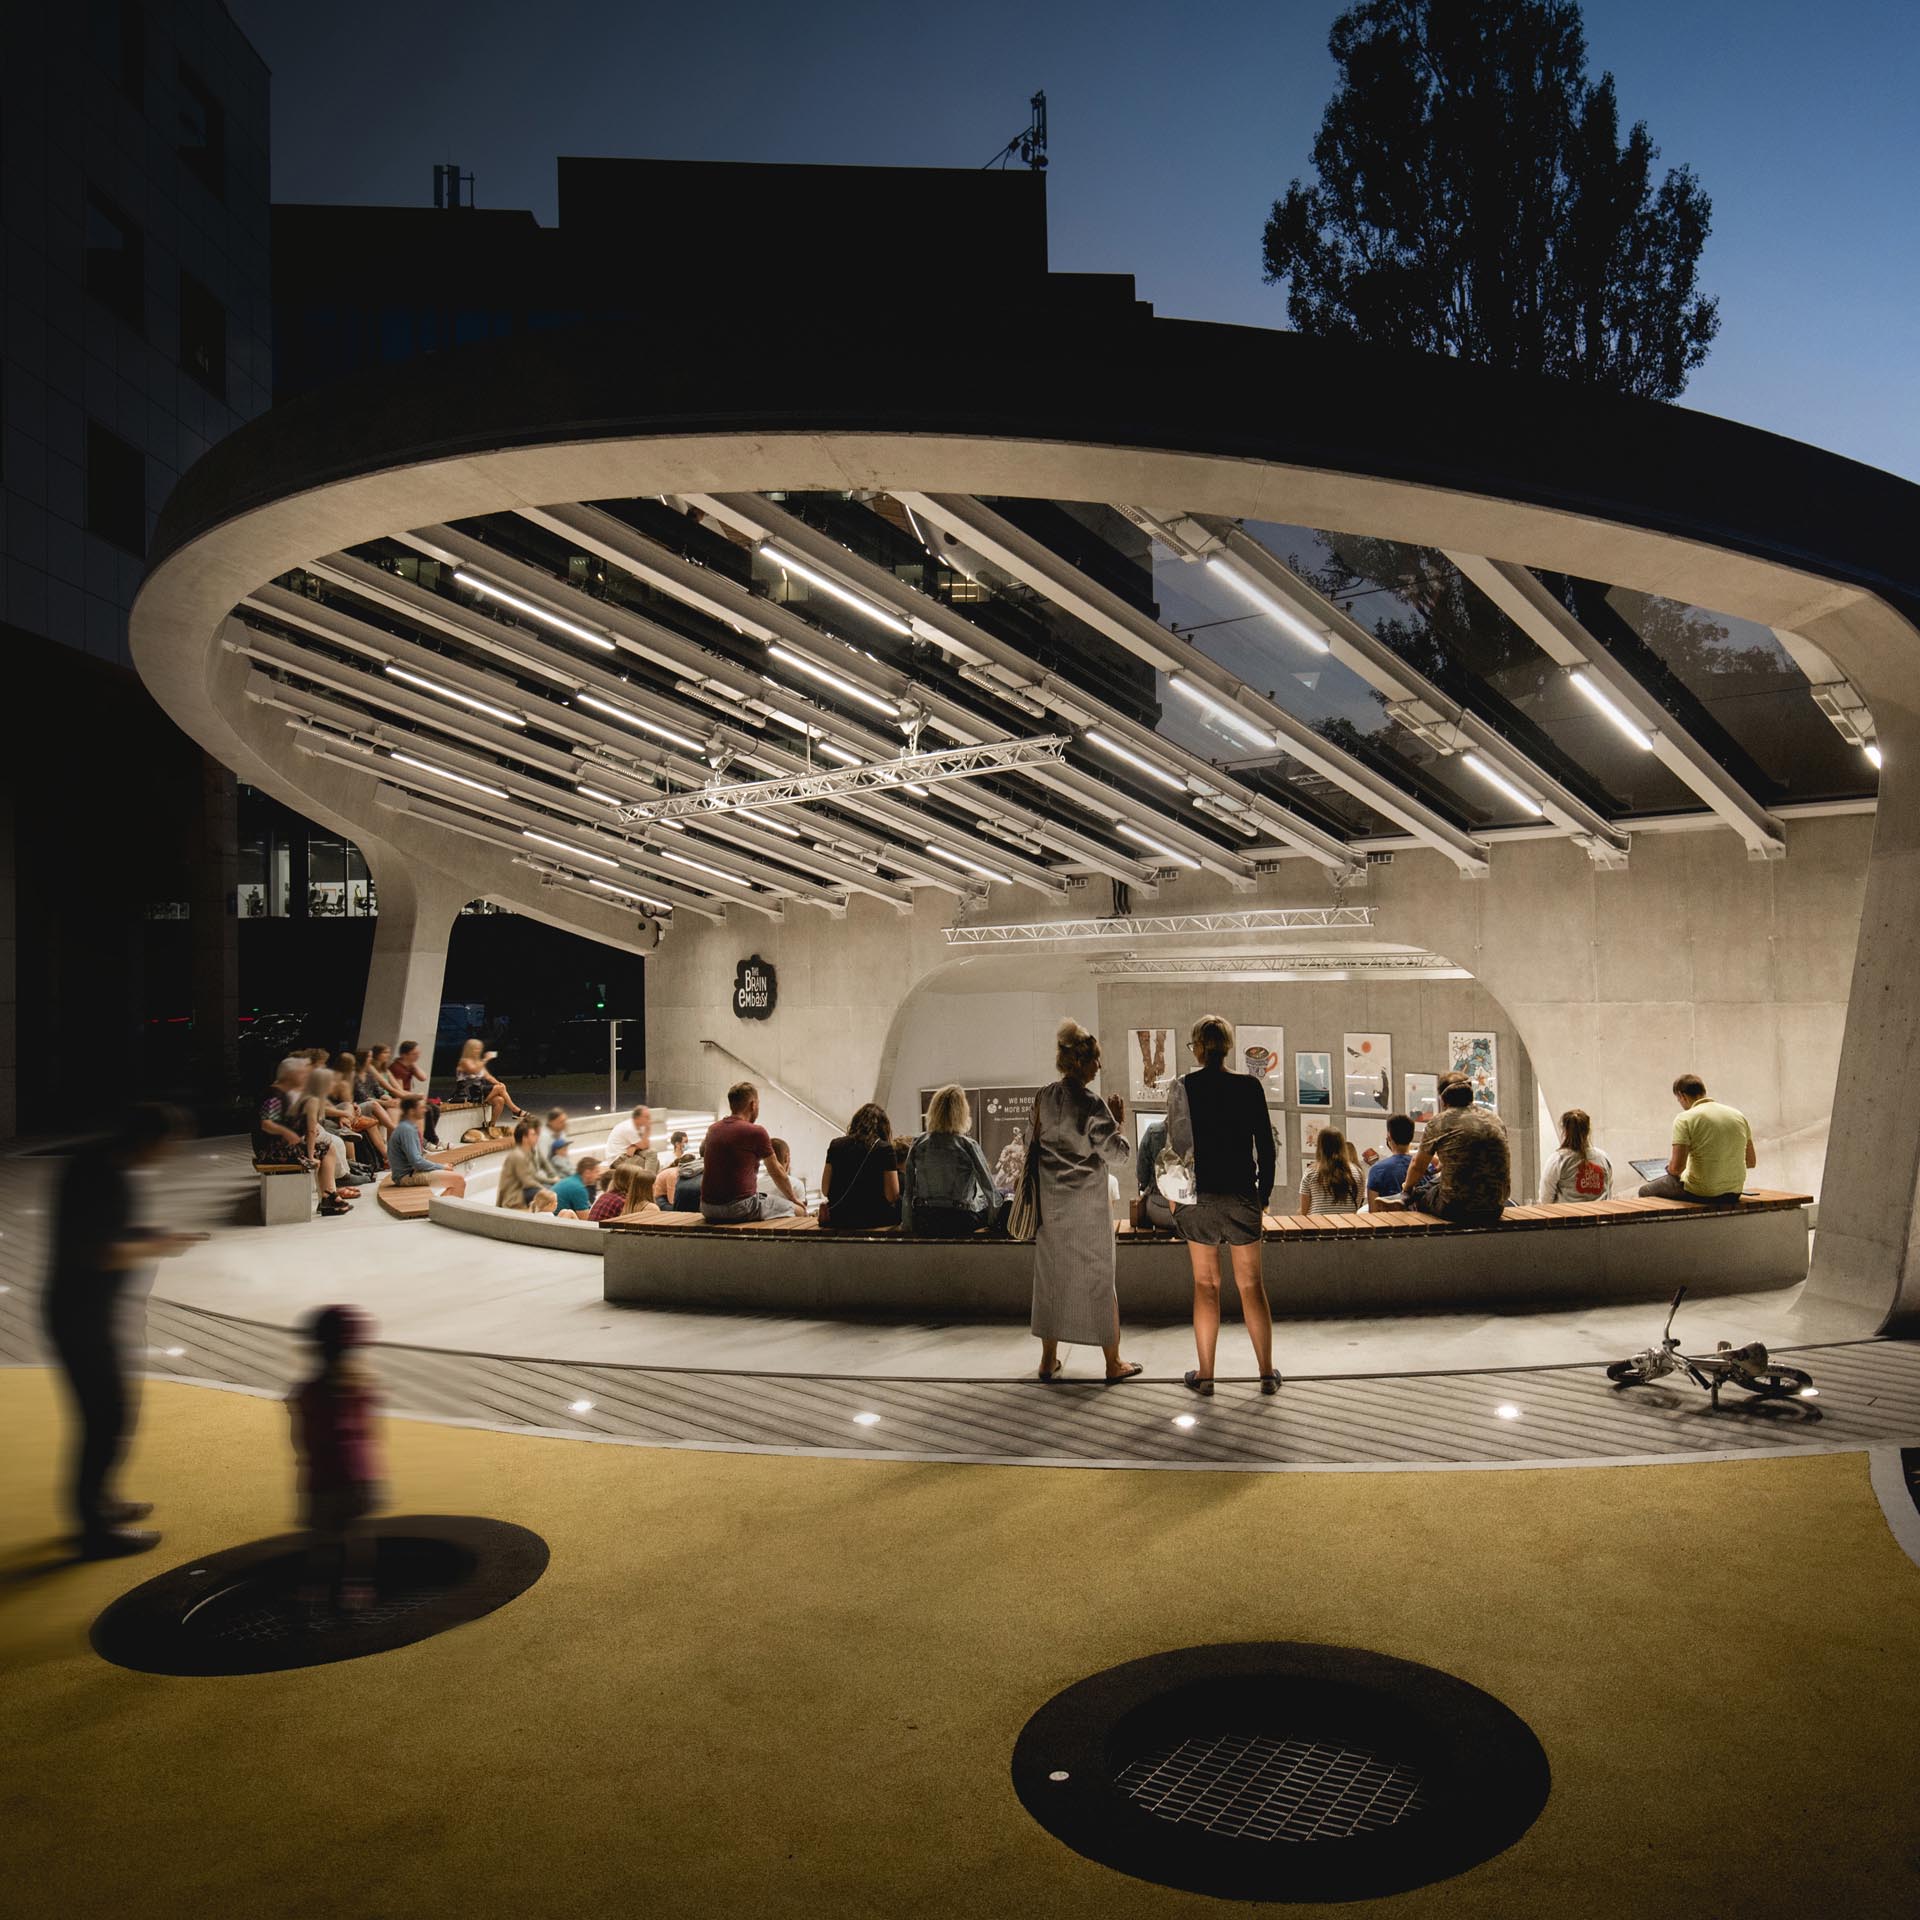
pixel 1727 1366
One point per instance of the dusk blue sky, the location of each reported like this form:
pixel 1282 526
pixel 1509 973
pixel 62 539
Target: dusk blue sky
pixel 1173 128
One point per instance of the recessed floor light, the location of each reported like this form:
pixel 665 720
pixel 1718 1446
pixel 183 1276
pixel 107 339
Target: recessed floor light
pixel 176 1353
pixel 1059 1774
pixel 1183 1420
pixel 866 1419
pixel 1809 1393
pixel 581 1406
pixel 1508 1412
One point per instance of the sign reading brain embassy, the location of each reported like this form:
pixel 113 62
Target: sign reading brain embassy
pixel 755 988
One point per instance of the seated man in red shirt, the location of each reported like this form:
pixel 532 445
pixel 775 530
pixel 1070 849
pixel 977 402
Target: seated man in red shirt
pixel 736 1148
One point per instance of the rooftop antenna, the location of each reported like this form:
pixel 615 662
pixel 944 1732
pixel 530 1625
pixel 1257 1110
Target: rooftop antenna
pixel 1029 147
pixel 448 182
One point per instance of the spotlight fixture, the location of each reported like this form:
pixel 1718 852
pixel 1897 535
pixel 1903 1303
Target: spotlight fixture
pixel 1127 757
pixel 824 583
pixel 627 717
pixel 1499 781
pixel 453 693
pixel 559 622
pixel 1591 693
pixel 1276 610
pixel 1223 711
pixel 1872 751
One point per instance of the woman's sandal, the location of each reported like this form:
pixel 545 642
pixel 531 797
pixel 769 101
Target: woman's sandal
pixel 1201 1384
pixel 1128 1372
pixel 334 1206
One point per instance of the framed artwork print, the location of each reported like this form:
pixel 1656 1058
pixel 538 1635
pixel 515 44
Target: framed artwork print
pixel 1367 1137
pixel 1263 1053
pixel 1153 1063
pixel 1423 1097
pixel 1476 1055
pixel 1313 1079
pixel 1369 1073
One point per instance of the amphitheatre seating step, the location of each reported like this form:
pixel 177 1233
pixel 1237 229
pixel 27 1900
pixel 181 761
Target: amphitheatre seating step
pixel 404 1203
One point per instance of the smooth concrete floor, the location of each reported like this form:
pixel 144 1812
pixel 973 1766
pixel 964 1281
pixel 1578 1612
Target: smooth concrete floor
pixel 431 1287
pixel 791 1687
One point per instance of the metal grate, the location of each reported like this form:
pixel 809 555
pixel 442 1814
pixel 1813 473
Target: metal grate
pixel 1254 1787
pixel 285 1615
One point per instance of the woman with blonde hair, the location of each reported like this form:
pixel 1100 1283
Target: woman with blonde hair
pixel 1579 1171
pixel 1217 1122
pixel 946 1186
pixel 1332 1183
pixel 628 1191
pixel 475 1085
pixel 1076 1141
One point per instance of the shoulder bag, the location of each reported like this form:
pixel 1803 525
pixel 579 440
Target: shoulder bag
pixel 1023 1223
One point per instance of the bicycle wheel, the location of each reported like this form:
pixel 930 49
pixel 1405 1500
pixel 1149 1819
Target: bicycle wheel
pixel 1626 1373
pixel 1778 1383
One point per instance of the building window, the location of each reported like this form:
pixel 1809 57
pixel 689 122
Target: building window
pixel 120 45
pixel 203 133
pixel 203 336
pixel 116 260
pixel 116 489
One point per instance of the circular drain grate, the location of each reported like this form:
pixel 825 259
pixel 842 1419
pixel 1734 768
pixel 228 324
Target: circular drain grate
pixel 1375 1775
pixel 1251 1786
pixel 246 1610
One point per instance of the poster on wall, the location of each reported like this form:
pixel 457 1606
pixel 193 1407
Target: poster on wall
pixel 1369 1073
pixel 1423 1097
pixel 1475 1055
pixel 1367 1137
pixel 1313 1079
pixel 1152 1062
pixel 973 1107
pixel 1002 1118
pixel 1311 1127
pixel 1263 1053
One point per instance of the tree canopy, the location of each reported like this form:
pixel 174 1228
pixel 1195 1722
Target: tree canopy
pixel 1474 197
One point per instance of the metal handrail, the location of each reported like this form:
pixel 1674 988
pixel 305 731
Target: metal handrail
pixel 766 1079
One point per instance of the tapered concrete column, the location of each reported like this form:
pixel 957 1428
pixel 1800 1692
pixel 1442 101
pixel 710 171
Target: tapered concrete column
pixel 1867 1249
pixel 409 965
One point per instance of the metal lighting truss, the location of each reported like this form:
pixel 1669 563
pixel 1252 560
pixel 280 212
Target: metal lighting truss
pixel 1278 966
pixel 1524 599
pixel 527 653
pixel 1007 547
pixel 366 685
pixel 1142 925
pixel 950 763
pixel 1419 705
pixel 1004 672
pixel 632 552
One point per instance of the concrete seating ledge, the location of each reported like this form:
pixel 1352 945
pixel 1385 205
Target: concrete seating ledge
pixel 1317 1264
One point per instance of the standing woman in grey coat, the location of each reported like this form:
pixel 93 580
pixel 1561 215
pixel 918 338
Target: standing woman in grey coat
pixel 1077 1136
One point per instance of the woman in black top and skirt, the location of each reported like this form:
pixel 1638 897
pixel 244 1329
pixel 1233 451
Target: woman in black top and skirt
pixel 1220 1121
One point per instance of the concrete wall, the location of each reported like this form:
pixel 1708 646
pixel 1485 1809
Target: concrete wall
pixel 1317 1016
pixel 1601 985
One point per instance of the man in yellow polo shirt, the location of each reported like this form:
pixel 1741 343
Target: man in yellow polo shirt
pixel 1712 1150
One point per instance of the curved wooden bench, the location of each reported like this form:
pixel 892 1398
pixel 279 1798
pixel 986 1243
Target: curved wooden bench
pixel 414 1203
pixel 1315 1264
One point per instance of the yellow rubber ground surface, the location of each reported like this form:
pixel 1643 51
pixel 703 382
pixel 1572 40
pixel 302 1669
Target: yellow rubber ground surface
pixel 768 1686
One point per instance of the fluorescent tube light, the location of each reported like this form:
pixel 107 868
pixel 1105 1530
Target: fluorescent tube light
pixel 839 682
pixel 605 799
pixel 840 754
pixel 627 893
pixel 1594 697
pixel 972 866
pixel 444 773
pixel 1222 710
pixel 824 583
pixel 1127 757
pixel 1157 846
pixel 559 622
pixel 766 823
pixel 1871 751
pixel 453 693
pixel 566 846
pixel 629 718
pixel 1282 615
pixel 1495 778
pixel 699 866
